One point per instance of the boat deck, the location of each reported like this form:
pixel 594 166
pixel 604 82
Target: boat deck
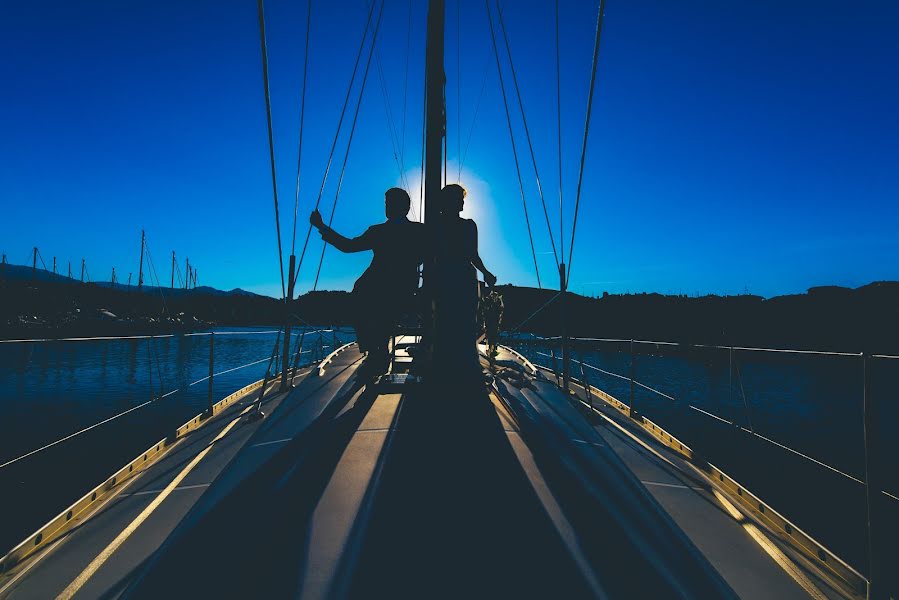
pixel 346 490
pixel 751 560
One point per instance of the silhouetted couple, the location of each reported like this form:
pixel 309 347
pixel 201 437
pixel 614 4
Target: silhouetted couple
pixel 387 288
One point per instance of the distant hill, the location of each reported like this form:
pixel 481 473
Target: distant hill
pixel 825 317
pixel 26 273
pixel 42 304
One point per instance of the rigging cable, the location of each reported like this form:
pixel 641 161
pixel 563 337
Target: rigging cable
pixel 271 140
pixel 346 101
pixel 398 157
pixel 151 272
pixel 406 79
pixel 42 260
pixel 512 139
pixel 421 180
pixel 296 200
pixel 580 176
pixel 477 108
pixel 459 87
pixel 527 132
pixel 346 156
pixel 559 130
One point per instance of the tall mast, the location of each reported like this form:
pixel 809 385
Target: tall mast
pixel 140 271
pixel 435 129
pixel 435 109
pixel 173 269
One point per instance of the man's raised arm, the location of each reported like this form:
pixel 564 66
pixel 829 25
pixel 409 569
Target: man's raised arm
pixel 344 244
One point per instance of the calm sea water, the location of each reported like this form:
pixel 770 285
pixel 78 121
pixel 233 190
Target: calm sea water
pixel 49 390
pixel 812 404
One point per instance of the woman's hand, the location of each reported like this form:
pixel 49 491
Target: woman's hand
pixel 316 220
pixel 490 279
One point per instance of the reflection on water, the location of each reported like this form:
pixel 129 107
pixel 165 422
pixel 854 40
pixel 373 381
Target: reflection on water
pixel 49 390
pixel 811 403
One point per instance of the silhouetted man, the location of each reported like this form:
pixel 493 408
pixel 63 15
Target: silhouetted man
pixel 386 288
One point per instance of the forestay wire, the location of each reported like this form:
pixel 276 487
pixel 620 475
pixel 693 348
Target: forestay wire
pixel 296 200
pixel 271 140
pixel 559 132
pixel 580 177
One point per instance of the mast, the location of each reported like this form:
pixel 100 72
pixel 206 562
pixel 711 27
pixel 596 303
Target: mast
pixel 173 269
pixel 140 271
pixel 34 264
pixel 186 272
pixel 435 129
pixel 82 270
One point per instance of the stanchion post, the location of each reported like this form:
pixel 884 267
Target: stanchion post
pixel 209 396
pixel 393 352
pixel 257 414
pixel 873 498
pixel 632 412
pixel 730 385
pixel 552 353
pixel 566 353
pixel 586 382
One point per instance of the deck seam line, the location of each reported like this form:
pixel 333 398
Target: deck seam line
pixel 281 441
pixel 123 536
pixel 179 488
pixel 36 559
pixel 672 485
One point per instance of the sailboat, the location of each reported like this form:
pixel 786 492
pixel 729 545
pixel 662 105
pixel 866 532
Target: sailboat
pixel 317 483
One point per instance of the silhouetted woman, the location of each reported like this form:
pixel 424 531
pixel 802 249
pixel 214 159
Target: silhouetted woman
pixel 458 257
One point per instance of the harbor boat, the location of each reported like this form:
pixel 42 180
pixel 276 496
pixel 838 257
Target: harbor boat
pixel 438 479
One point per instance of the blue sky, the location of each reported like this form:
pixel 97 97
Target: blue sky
pixel 745 145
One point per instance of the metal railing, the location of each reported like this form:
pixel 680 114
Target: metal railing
pixel 138 371
pixel 753 407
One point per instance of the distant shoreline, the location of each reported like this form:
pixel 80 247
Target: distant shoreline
pixel 830 318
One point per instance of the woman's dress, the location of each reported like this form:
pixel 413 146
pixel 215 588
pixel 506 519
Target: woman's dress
pixel 457 298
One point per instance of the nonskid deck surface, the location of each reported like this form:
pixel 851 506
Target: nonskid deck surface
pixel 404 496
pixel 111 545
pixel 429 491
pixel 709 520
